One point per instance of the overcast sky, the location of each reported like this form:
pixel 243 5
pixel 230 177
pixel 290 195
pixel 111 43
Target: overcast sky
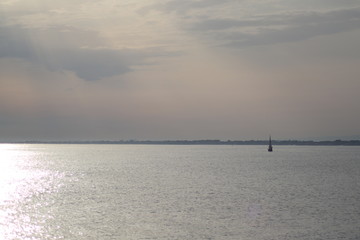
pixel 179 69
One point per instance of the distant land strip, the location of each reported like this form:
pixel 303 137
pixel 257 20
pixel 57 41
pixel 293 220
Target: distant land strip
pixel 203 142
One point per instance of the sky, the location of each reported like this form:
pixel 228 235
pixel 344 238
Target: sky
pixel 179 69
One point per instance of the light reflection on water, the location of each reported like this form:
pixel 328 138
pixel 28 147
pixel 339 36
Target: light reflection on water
pixel 22 184
pixel 12 172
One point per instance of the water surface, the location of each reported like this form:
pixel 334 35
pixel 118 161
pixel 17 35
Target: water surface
pixel 55 191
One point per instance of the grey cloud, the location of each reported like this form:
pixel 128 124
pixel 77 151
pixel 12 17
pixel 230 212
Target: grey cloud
pixel 287 19
pixel 89 63
pixel 223 24
pixel 94 64
pixel 182 7
pixel 293 34
pixel 319 3
pixel 14 43
pixel 271 29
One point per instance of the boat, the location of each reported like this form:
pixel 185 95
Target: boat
pixel 270 148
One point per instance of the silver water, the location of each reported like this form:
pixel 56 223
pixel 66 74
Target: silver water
pixel 178 192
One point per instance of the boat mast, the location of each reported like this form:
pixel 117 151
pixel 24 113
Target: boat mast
pixel 270 145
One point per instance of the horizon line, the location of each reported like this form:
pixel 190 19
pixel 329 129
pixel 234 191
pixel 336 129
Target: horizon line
pixel 355 142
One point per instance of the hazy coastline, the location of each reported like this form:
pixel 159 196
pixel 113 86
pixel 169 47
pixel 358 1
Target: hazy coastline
pixel 201 142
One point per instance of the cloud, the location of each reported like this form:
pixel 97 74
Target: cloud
pixel 14 43
pixel 58 50
pixel 276 28
pixel 94 64
pixel 182 7
pixel 241 24
pixel 307 87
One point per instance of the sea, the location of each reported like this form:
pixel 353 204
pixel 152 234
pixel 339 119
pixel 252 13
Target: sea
pixel 120 192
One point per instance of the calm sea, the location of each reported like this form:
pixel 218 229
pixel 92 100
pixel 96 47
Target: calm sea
pixel 179 192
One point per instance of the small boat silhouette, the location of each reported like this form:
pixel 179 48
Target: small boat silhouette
pixel 270 148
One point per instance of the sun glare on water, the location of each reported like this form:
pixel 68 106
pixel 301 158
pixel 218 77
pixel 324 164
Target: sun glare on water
pixel 17 178
pixel 11 174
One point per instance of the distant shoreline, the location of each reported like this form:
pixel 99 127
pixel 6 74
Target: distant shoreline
pixel 201 142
